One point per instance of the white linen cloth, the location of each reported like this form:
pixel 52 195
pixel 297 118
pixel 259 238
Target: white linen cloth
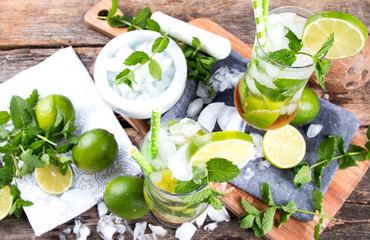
pixel 63 73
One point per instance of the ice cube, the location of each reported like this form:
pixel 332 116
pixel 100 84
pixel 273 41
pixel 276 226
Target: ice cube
pixel 106 228
pixel 248 174
pixel 120 237
pixel 123 53
pixel 185 231
pixel 325 96
pixel 149 236
pixel 139 229
pixel 81 230
pixel 194 108
pixel 189 128
pixel 263 165
pixel 102 209
pixel 158 230
pixel 210 227
pixel 208 117
pixel 166 149
pixel 150 89
pixel 204 91
pixel 200 220
pixel 67 230
pixel 218 215
pixel 120 228
pixel 236 123
pixel 313 130
pixel 62 237
pixel 179 165
pixel 225 116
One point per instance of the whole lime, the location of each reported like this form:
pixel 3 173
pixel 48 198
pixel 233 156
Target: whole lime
pixel 124 197
pixel 51 107
pixel 308 109
pixel 96 150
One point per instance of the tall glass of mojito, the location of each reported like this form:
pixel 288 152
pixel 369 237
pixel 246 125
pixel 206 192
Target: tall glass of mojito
pixel 171 165
pixel 268 94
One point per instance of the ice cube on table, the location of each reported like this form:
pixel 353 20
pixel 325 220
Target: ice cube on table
pixel 62 237
pixel 263 165
pixel 210 227
pixel 102 209
pixel 314 130
pixel 203 92
pixel 121 228
pixel 200 220
pixel 81 230
pixel 185 231
pixel 106 228
pixel 194 108
pixel 67 230
pixel 218 215
pixel 139 229
pixel 249 173
pixel 158 230
pixel 208 116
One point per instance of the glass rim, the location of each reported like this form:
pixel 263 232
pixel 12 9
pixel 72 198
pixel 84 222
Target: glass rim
pixel 264 52
pixel 162 190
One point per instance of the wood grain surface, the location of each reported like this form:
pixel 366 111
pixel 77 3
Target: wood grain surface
pixel 30 31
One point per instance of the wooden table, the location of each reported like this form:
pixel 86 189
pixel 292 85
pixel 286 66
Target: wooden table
pixel 30 31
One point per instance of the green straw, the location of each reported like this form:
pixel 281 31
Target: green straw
pixel 154 130
pixel 260 22
pixel 139 158
pixel 265 11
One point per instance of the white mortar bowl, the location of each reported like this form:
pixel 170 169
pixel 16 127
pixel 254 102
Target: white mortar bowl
pixel 139 109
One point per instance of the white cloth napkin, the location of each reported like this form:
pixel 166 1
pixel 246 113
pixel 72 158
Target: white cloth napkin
pixel 63 73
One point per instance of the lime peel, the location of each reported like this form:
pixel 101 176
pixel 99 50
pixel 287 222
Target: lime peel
pixel 6 200
pixel 52 181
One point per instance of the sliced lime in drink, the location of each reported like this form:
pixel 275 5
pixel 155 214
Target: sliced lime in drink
pixel 350 34
pixel 233 145
pixel 6 200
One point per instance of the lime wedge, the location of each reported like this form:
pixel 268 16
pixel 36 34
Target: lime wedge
pixel 350 34
pixel 6 200
pixel 284 147
pixel 233 145
pixel 52 181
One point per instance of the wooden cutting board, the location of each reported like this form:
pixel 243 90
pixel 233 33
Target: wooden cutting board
pixel 342 185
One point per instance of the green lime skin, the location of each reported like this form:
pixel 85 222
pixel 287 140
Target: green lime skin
pixel 49 107
pixel 124 197
pixel 308 109
pixel 96 150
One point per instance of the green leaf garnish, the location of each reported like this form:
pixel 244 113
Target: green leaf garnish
pixel 283 56
pixel 155 69
pixel 295 44
pixel 221 170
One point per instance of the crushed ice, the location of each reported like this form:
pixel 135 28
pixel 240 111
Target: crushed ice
pixel 313 130
pixel 81 230
pixel 185 231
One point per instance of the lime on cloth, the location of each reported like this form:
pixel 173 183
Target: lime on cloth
pixel 350 34
pixel 52 181
pixel 63 73
pixel 5 201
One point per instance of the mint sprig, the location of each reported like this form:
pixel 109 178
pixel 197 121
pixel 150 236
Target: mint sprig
pixel 262 221
pixel 331 148
pixel 218 170
pixel 26 142
pixel 288 56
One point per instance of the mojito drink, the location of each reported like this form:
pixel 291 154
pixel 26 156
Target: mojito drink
pixel 170 166
pixel 268 94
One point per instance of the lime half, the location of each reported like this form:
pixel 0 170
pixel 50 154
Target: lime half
pixel 52 181
pixel 6 200
pixel 350 34
pixel 284 147
pixel 233 145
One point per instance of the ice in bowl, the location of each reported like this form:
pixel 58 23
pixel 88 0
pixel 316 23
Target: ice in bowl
pixel 137 102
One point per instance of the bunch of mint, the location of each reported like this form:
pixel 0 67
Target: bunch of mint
pixel 262 221
pixel 330 149
pixel 217 170
pixel 31 145
pixel 199 65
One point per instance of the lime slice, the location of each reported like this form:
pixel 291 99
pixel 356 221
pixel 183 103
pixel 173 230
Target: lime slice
pixel 52 181
pixel 350 34
pixel 6 200
pixel 233 145
pixel 284 147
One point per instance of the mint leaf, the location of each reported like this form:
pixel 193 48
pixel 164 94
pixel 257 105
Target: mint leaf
pixel 266 194
pixel 183 187
pixel 318 229
pixel 247 221
pixel 250 208
pixel 321 69
pixel 126 77
pixel 283 218
pixel 200 196
pixel 215 202
pixel 222 170
pixel 257 230
pixel 155 69
pixel 196 44
pixel 30 162
pixel 317 200
pixel 6 177
pixel 288 87
pixel 140 20
pixel 283 56
pixel 33 98
pixel 113 9
pixel 295 44
pixel 4 117
pixel 317 171
pixel 325 46
pixel 290 207
pixel 356 152
pixel 338 144
pixel 273 93
pixel 18 113
pixel 4 133
pixel 152 25
pixel 135 58
pixel 268 220
pixel 160 44
pixel 303 175
pixel 120 21
pixel 326 150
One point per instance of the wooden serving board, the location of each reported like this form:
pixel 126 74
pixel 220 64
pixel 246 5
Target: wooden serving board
pixel 343 183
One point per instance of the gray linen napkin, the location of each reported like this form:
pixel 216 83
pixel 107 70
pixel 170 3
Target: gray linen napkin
pixel 334 119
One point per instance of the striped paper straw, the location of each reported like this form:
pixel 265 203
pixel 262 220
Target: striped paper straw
pixel 260 23
pixel 139 158
pixel 154 131
pixel 265 10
